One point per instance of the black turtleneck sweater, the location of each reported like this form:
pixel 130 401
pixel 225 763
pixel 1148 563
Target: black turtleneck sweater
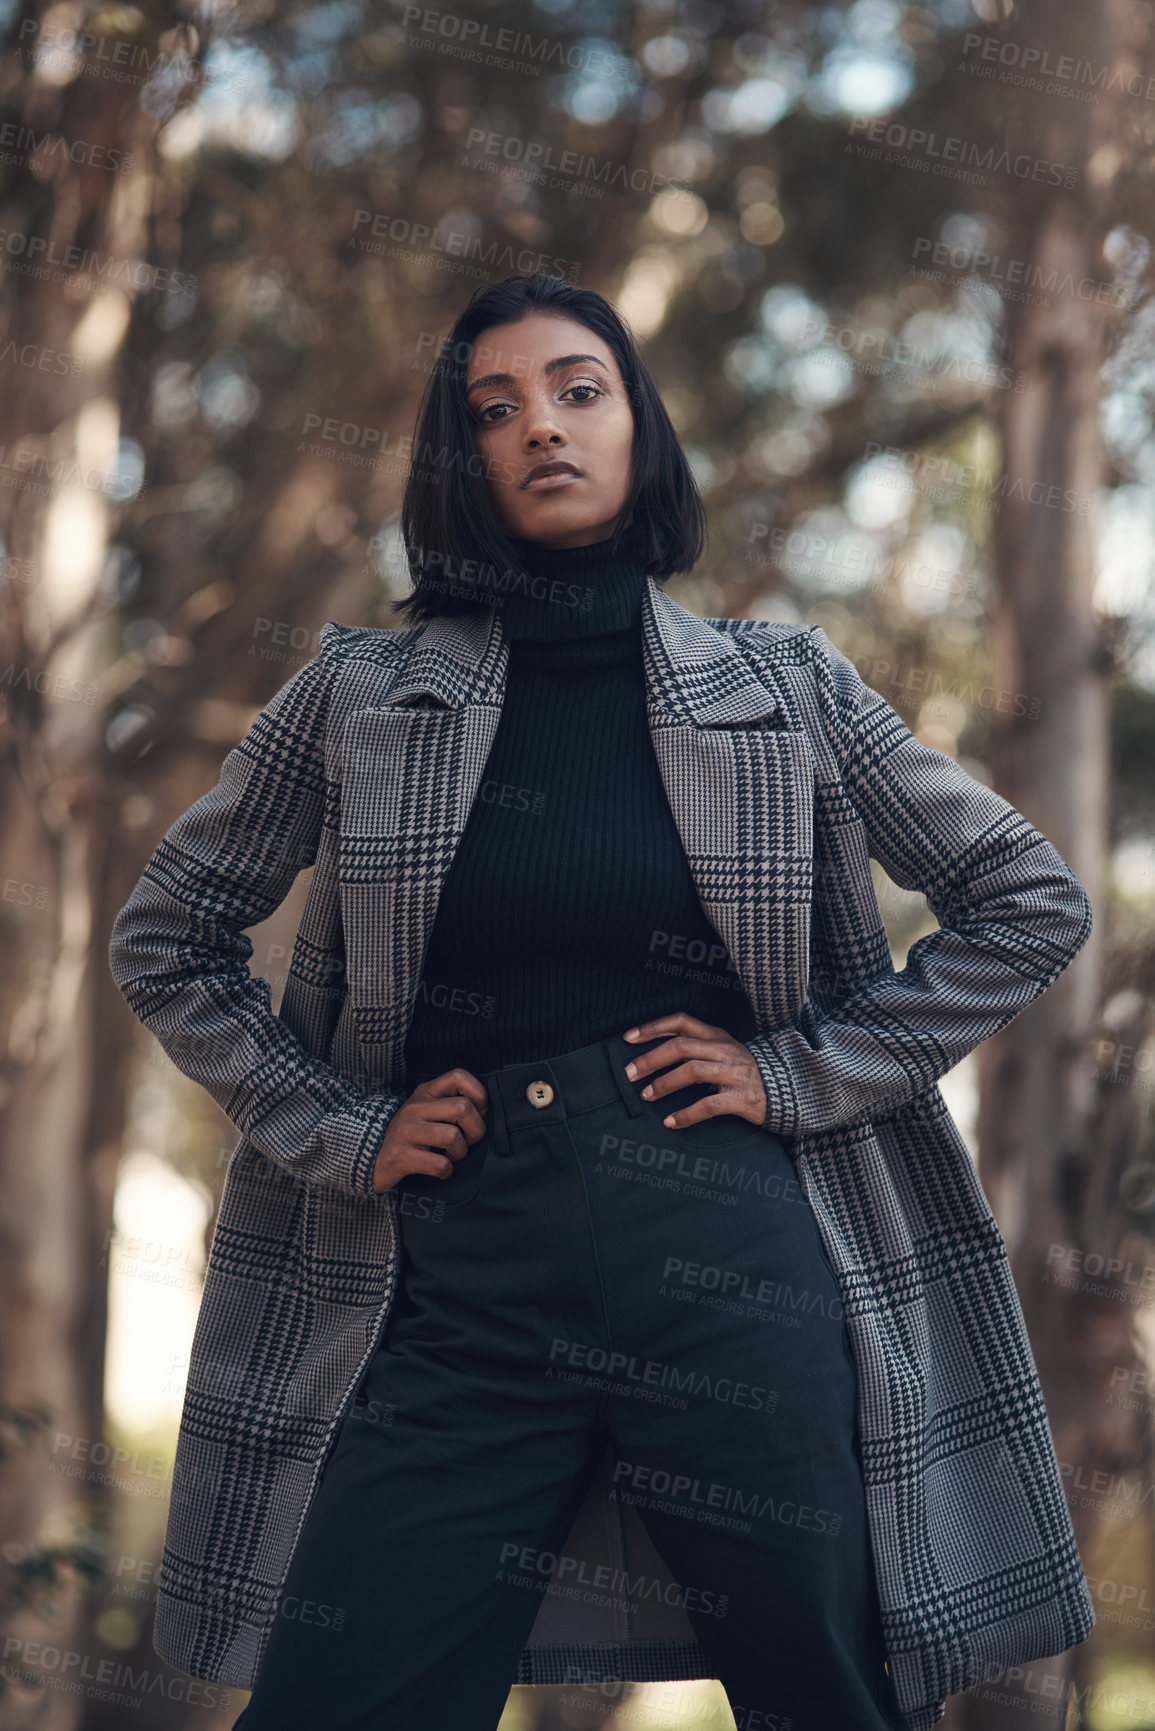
pixel 569 912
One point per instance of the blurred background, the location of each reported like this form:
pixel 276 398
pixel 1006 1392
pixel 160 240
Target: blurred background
pixel 891 267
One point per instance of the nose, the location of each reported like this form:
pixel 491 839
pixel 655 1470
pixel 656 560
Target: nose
pixel 541 420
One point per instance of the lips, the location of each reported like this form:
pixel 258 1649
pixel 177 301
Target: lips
pixel 548 471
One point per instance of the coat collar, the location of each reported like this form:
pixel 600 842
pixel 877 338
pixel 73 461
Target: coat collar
pixel 694 673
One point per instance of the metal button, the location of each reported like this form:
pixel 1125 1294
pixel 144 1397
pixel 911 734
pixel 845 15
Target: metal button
pixel 539 1093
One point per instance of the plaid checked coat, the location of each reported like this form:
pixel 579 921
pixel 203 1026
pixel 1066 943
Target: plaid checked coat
pixel 785 774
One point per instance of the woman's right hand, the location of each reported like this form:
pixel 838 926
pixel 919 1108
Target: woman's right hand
pixel 434 1126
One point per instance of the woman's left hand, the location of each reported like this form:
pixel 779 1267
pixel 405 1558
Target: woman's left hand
pixel 711 1055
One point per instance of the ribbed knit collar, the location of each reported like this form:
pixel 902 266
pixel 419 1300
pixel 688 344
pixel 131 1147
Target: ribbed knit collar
pixel 574 592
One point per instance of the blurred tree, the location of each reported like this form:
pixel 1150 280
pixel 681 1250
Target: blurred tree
pixel 1056 1142
pixel 74 214
pixel 818 222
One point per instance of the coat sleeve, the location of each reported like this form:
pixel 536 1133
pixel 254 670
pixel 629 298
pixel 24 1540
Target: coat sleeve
pixel 1011 916
pixel 178 955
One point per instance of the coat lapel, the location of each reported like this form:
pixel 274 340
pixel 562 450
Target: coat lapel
pixel 734 760
pixel 410 769
pixel 739 776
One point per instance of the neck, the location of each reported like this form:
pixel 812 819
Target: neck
pixel 568 592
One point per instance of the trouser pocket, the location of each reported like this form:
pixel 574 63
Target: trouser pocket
pixel 459 1190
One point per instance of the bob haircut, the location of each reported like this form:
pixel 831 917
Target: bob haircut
pixel 455 544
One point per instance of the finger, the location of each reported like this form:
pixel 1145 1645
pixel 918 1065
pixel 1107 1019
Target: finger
pixel 681 1046
pixel 694 1070
pixel 739 1103
pixel 441 1136
pixel 420 1161
pixel 677 1022
pixel 428 1164
pixel 450 1109
pixel 459 1082
pixel 471 1124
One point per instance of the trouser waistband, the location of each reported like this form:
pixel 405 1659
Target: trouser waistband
pixel 549 1090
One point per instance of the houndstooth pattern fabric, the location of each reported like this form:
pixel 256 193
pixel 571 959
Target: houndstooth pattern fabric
pixel 785 774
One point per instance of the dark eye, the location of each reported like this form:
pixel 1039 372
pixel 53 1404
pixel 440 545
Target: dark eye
pixel 489 417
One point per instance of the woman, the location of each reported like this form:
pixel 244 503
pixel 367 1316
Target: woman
pixel 536 1365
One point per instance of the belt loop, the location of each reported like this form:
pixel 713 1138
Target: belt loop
pixel 625 1087
pixel 497 1123
pixel 559 1091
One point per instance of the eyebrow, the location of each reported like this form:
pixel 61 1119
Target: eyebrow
pixel 550 367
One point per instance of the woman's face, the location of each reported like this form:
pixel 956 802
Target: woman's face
pixel 546 389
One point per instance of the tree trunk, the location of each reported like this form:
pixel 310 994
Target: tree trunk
pixel 61 1093
pixel 1039 1118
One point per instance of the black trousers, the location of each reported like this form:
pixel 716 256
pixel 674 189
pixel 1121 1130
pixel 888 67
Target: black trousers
pixel 586 1281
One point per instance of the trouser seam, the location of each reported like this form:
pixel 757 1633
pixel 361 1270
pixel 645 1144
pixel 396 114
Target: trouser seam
pixel 597 1261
